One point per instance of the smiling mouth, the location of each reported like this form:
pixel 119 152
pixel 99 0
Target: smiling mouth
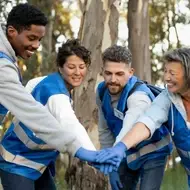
pixel 170 85
pixel 76 79
pixel 30 53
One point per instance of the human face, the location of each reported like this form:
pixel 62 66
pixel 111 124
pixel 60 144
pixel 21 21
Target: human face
pixel 26 42
pixel 116 76
pixel 174 77
pixel 73 71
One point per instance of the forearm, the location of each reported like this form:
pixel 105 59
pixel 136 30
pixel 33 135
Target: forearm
pixel 136 135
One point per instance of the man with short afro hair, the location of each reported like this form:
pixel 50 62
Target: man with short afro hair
pixel 21 37
pixel 23 16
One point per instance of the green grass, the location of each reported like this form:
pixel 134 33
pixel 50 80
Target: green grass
pixel 175 179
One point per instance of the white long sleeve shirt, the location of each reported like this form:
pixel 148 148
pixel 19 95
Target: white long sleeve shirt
pixel 60 106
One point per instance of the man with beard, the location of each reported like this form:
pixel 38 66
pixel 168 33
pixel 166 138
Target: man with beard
pixel 120 104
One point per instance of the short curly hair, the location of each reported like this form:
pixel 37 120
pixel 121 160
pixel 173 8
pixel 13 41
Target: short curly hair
pixel 73 47
pixel 24 15
pixel 118 54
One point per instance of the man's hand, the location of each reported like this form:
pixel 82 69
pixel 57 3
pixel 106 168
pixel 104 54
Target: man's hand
pixel 112 155
pixel 115 181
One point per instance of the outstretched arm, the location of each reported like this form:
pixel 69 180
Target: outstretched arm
pixel 143 129
pixel 15 98
pixel 136 135
pixel 136 103
pixel 151 120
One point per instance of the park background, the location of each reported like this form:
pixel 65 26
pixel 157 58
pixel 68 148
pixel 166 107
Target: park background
pixel 149 28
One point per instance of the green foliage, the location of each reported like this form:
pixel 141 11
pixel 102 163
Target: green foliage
pixel 164 16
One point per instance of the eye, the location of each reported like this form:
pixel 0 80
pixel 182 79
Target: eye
pixel 31 38
pixel 71 67
pixel 82 66
pixel 172 73
pixel 120 74
pixel 107 73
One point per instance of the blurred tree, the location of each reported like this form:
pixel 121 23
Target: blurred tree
pixel 99 29
pixel 165 16
pixel 138 23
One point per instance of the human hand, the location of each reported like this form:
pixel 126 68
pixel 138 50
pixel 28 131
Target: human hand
pixel 86 155
pixel 115 181
pixel 112 155
pixel 104 168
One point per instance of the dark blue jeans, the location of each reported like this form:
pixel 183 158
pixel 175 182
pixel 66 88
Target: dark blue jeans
pixel 150 175
pixel 12 181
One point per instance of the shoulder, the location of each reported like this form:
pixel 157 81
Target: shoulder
pixel 164 95
pixel 33 83
pixel 46 88
pixel 138 96
pixel 100 92
pixel 101 87
pixel 8 71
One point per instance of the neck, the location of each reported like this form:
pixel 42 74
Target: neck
pixel 186 95
pixel 69 87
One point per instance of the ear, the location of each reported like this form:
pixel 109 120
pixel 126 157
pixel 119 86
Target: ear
pixel 132 70
pixel 11 31
pixel 60 70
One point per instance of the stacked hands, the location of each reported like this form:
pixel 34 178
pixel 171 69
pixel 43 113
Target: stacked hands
pixel 106 160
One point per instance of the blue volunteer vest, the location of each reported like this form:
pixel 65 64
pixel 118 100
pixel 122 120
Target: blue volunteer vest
pixel 22 152
pixel 3 110
pixel 160 143
pixel 181 137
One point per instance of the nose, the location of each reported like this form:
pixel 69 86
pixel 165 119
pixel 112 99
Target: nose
pixel 36 45
pixel 167 77
pixel 113 78
pixel 77 71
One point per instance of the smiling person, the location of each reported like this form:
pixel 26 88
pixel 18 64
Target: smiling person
pixel 24 154
pixel 120 105
pixel 33 164
pixel 171 106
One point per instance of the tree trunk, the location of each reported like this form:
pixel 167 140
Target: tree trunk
pixel 138 23
pixel 99 30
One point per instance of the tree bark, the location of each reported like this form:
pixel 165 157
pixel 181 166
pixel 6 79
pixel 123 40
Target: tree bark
pixel 99 30
pixel 138 24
